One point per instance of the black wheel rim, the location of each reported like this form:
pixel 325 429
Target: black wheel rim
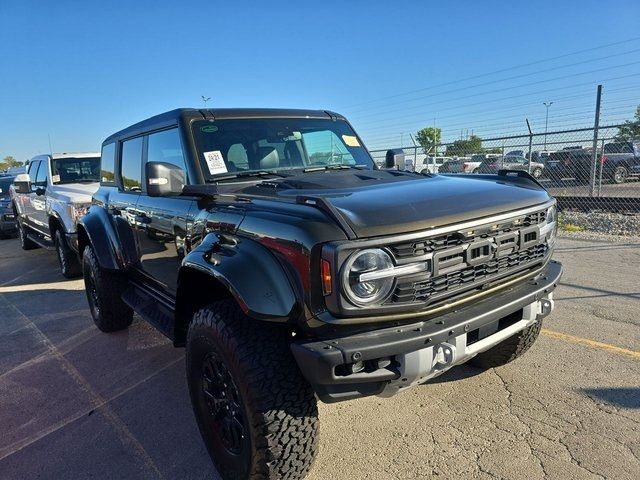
pixel 222 399
pixel 60 256
pixel 92 293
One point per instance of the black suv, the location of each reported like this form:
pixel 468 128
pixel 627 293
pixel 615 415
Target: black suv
pixel 270 245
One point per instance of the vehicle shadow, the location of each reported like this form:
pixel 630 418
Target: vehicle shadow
pixel 618 397
pixel 460 372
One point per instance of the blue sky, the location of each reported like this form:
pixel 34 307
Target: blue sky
pixel 78 70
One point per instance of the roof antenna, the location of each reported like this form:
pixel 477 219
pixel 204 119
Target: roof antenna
pixel 50 149
pixel 205 100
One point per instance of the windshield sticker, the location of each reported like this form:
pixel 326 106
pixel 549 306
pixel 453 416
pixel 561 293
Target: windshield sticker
pixel 209 129
pixel 55 178
pixel 351 140
pixel 215 162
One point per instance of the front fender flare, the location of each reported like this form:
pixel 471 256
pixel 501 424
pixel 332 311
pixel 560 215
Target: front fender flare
pixel 113 245
pixel 249 271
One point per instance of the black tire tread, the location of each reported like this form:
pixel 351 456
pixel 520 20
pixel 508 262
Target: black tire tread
pixel 284 419
pixel 114 313
pixel 25 243
pixel 509 349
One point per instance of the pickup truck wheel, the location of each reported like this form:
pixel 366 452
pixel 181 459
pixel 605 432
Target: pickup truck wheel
pixel 25 243
pixel 256 413
pixel 536 173
pixel 104 290
pixel 620 174
pixel 509 349
pixel 69 264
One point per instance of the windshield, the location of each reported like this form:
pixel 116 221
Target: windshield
pixel 75 170
pixel 5 182
pixel 276 145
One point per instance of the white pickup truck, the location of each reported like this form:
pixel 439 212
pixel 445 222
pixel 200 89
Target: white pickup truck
pixel 49 199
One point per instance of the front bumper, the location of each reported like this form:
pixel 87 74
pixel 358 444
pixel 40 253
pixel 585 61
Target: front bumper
pixel 397 358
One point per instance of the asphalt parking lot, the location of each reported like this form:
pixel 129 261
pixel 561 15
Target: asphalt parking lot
pixel 77 403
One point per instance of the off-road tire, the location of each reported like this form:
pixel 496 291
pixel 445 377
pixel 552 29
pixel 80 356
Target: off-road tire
pixel 509 349
pixel 25 242
pixel 620 174
pixel 280 414
pixel 69 264
pixel 104 293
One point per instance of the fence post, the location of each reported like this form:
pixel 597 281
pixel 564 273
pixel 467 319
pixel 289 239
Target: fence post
pixel 600 169
pixel 594 156
pixel 530 144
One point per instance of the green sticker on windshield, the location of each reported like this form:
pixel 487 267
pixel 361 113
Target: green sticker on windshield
pixel 209 129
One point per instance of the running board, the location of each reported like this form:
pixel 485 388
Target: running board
pixel 42 242
pixel 151 307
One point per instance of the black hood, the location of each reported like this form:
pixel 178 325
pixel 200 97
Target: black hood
pixel 381 202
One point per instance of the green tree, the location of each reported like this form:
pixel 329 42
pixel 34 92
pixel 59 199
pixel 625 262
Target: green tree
pixel 428 138
pixel 631 128
pixel 8 162
pixel 464 147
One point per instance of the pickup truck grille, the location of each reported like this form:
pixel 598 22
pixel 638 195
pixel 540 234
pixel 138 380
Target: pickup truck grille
pixel 464 266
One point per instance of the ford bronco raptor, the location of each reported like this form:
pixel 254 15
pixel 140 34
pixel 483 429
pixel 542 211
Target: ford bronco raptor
pixel 292 269
pixel 48 200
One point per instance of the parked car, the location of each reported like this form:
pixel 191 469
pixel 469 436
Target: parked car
pixel 7 217
pixel 572 163
pixel 515 153
pixel 50 198
pixel 472 166
pixel 621 161
pixel 431 164
pixel 453 165
pixel 494 164
pixel 306 279
pixel 541 156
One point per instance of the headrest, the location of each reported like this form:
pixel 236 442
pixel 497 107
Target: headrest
pixel 269 157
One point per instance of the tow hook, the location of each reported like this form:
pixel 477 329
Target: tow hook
pixel 444 356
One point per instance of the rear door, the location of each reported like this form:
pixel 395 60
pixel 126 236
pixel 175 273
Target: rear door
pixel 165 229
pixel 25 208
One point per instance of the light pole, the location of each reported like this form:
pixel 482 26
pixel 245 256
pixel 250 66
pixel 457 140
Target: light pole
pixel 205 100
pixel 546 122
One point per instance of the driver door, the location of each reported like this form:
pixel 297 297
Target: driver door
pixel 37 198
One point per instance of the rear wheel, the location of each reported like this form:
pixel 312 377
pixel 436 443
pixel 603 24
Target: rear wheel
pixel 256 413
pixel 25 242
pixel 620 174
pixel 104 293
pixel 69 264
pixel 537 172
pixel 508 350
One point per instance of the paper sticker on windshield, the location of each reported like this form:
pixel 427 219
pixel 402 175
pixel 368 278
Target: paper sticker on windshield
pixel 55 178
pixel 215 162
pixel 351 140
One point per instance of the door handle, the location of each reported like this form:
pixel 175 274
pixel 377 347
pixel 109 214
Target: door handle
pixel 142 218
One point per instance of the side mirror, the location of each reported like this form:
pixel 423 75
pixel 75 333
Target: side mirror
pixel 164 179
pixel 394 159
pixel 22 183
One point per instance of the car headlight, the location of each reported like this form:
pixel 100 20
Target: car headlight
pixel 361 282
pixel 551 225
pixel 78 211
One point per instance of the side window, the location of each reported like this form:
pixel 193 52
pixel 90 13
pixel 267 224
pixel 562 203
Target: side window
pixel 131 165
pixel 166 147
pixel 108 164
pixel 41 176
pixel 33 169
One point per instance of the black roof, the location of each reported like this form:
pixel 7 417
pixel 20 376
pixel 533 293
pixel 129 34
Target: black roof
pixel 186 114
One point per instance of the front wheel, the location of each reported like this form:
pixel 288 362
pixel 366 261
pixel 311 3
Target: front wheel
pixel 25 242
pixel 537 172
pixel 104 292
pixel 69 264
pixel 257 415
pixel 620 174
pixel 509 349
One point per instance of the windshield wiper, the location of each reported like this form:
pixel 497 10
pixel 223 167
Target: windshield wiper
pixel 258 173
pixel 320 168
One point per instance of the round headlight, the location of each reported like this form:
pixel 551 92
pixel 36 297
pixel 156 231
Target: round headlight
pixel 366 291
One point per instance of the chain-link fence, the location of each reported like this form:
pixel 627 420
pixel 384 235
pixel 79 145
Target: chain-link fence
pixel 585 168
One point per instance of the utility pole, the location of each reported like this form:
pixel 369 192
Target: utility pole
pixel 546 122
pixel 205 100
pixel 594 155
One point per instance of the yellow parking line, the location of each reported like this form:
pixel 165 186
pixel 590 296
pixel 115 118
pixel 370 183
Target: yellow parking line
pixel 590 343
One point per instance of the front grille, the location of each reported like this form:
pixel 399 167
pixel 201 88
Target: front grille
pixel 428 290
pixel 496 257
pixel 416 248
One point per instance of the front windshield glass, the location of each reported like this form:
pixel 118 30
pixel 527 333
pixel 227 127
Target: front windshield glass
pixel 276 145
pixel 75 170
